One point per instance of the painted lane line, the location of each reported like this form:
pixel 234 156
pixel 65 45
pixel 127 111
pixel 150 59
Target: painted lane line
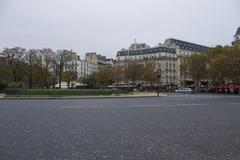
pixel 193 104
pixel 76 107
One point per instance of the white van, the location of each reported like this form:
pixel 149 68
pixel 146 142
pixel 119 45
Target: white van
pixel 64 85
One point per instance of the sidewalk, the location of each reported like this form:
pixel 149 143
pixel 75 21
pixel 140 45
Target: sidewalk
pixel 2 96
pixel 130 95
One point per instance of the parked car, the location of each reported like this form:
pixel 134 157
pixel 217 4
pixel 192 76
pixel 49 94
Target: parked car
pixel 64 85
pixel 184 90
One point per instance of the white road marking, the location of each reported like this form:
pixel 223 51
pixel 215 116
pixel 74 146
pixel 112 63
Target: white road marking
pixel 144 105
pixel 199 96
pixel 151 105
pixel 76 107
pixel 193 104
pixel 232 103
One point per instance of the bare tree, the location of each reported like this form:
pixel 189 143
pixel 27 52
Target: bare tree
pixel 60 60
pixel 14 60
pixel 47 56
pixel 31 59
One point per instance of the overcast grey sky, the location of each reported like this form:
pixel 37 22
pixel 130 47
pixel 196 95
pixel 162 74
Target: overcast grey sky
pixel 106 26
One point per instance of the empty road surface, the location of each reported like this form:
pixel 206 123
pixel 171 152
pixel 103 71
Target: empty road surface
pixel 177 127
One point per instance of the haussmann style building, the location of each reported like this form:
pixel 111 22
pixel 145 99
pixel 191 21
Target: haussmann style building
pixel 166 58
pixel 236 37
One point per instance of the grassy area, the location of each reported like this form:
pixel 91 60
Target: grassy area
pixel 59 92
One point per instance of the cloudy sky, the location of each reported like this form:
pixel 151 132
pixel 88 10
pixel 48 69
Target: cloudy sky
pixel 106 26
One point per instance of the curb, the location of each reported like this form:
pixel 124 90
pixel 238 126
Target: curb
pixel 62 98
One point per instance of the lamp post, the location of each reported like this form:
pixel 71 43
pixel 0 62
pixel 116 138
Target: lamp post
pixel 117 76
pixel 158 78
pixel 128 68
pixel 158 75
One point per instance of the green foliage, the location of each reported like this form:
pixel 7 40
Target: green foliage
pixel 133 71
pixel 12 91
pixel 15 85
pixel 5 73
pixel 91 80
pixel 105 76
pixel 69 76
pixel 149 74
pixel 224 64
pixel 3 85
pixel 195 66
pixel 219 65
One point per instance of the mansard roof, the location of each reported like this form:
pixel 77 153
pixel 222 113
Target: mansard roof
pixel 188 46
pixel 238 32
pixel 146 51
pixel 102 58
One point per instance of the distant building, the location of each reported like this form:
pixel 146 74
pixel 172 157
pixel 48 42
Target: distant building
pixel 82 67
pixel 166 57
pixel 187 48
pixel 236 37
pixel 136 46
pixel 72 54
pixel 92 63
pixel 163 58
pixel 184 48
pixel 91 57
pixel 111 62
pixel 94 58
pixel 2 59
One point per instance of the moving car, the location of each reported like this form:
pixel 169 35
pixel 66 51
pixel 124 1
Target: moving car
pixel 184 90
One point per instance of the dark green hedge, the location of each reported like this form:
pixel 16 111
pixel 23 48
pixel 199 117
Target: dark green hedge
pixel 60 92
pixel 3 85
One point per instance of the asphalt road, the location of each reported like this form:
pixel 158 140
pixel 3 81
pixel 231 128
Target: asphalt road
pixel 177 127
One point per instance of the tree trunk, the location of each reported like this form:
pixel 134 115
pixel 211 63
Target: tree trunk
pixel 15 76
pixel 60 79
pixel 30 76
pixel 30 80
pixel 54 82
pixel 196 85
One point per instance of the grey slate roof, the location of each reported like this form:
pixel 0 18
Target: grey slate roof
pixel 147 51
pixel 238 31
pixel 102 58
pixel 188 46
